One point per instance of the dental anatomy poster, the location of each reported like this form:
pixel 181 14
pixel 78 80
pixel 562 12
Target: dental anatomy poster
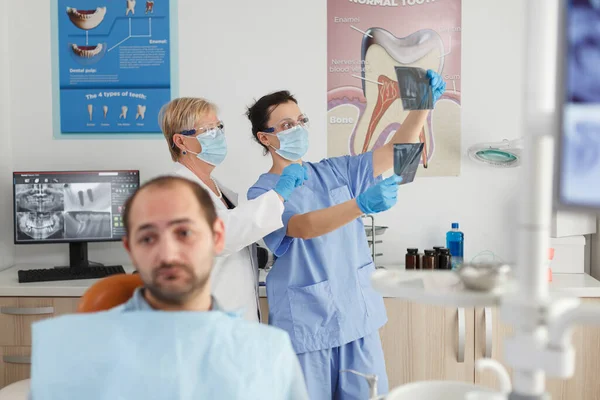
pixel 376 48
pixel 113 66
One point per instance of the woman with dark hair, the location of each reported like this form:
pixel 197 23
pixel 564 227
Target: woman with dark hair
pixel 318 288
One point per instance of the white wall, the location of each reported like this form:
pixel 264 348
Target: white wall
pixel 6 248
pixel 235 52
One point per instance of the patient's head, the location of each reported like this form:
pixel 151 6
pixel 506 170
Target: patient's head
pixel 172 236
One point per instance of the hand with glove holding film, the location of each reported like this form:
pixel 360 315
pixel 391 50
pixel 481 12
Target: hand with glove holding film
pixel 291 177
pixel 411 129
pixel 438 86
pixel 380 197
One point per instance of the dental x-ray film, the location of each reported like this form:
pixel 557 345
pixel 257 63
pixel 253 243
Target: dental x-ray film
pixel 415 90
pixel 579 142
pixel 583 34
pixel 406 160
pixel 39 211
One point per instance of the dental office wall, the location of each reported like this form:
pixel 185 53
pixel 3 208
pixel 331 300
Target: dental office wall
pixel 234 52
pixel 7 250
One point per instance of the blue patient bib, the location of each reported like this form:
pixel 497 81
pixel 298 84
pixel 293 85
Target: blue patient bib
pixel 147 355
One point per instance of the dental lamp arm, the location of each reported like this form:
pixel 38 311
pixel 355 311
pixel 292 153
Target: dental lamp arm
pixel 409 132
pixel 561 328
pixel 317 223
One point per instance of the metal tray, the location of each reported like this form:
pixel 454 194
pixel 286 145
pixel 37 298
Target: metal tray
pixel 379 230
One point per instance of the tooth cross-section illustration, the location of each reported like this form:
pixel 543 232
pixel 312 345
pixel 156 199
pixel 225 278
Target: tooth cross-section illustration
pixel 90 110
pixel 130 7
pixel 381 52
pixel 141 110
pixel 86 19
pixel 149 6
pixel 123 112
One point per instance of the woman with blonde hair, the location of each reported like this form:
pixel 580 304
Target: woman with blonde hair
pixel 196 140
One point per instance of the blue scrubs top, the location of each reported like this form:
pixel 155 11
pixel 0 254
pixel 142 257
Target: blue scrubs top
pixel 319 289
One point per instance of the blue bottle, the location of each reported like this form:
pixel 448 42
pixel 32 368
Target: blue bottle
pixel 455 240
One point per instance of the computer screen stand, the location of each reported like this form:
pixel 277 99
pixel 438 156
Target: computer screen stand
pixel 78 257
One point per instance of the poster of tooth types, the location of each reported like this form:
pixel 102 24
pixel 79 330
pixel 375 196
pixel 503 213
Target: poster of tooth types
pixel 378 53
pixel 113 65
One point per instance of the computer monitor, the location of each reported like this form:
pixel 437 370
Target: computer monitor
pixel 75 207
pixel 578 147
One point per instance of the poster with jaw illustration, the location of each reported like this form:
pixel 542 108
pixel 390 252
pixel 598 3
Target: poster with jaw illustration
pixel 114 66
pixel 377 50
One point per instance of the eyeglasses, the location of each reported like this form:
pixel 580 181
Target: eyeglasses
pixel 206 130
pixel 288 123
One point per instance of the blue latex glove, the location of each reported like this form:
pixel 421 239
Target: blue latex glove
pixel 291 177
pixel 380 197
pixel 438 86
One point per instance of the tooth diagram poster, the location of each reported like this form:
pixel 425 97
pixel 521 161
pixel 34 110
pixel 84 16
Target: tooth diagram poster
pixel 366 41
pixel 113 66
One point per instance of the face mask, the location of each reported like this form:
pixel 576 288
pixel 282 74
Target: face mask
pixel 293 143
pixel 214 146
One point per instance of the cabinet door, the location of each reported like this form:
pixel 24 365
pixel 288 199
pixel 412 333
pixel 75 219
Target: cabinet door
pixel 584 385
pixel 425 342
pixel 264 310
pixel 17 314
pixel 15 364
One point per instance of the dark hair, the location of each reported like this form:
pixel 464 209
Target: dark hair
pixel 260 112
pixel 204 200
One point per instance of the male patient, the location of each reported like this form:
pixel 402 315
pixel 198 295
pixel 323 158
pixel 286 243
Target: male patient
pixel 170 341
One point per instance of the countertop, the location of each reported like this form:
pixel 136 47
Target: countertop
pixel 580 285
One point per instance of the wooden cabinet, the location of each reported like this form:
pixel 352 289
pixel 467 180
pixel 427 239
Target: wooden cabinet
pixel 425 342
pixel 15 364
pixel 17 314
pixel 584 385
pixel 264 310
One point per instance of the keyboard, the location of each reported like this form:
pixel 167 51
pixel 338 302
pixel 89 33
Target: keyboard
pixel 68 274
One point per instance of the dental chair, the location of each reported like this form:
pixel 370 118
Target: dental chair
pixel 109 292
pixel 103 295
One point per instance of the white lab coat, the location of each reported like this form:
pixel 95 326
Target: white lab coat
pixel 234 277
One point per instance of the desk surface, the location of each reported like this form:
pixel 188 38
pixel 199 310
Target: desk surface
pixel 580 285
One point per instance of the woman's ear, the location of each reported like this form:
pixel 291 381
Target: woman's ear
pixel 178 141
pixel 263 138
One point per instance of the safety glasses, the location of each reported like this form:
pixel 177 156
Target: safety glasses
pixel 206 131
pixel 288 123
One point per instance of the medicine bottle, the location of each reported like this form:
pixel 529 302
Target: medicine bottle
pixel 413 259
pixel 437 252
pixel 444 260
pixel 429 259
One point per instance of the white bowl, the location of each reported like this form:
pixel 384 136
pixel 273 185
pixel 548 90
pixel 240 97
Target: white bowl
pixel 438 390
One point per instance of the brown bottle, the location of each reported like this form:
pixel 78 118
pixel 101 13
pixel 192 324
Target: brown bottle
pixel 413 259
pixel 444 259
pixel 429 259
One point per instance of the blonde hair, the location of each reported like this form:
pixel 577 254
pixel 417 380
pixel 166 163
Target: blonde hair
pixel 180 115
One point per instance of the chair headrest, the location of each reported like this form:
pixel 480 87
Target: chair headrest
pixel 109 292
